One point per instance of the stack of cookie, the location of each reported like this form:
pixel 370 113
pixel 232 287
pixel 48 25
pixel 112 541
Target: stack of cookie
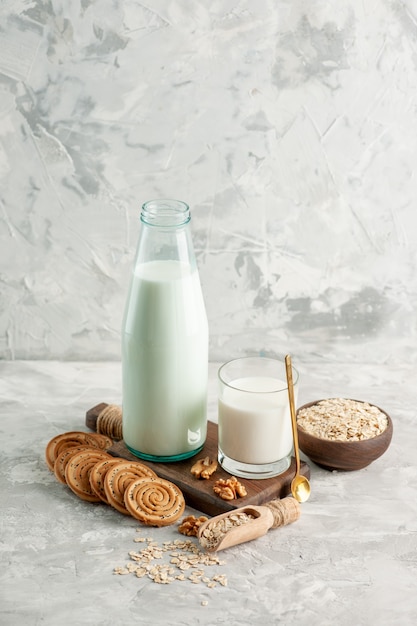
pixel 81 461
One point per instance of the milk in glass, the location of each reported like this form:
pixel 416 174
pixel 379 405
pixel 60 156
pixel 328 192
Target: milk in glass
pixel 254 420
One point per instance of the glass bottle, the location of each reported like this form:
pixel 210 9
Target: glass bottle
pixel 165 340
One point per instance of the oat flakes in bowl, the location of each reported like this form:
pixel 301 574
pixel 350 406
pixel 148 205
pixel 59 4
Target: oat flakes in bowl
pixel 343 434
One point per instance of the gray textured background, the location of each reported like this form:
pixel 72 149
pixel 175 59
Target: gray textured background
pixel 290 128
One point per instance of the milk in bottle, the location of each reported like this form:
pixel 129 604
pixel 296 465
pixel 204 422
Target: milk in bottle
pixel 165 340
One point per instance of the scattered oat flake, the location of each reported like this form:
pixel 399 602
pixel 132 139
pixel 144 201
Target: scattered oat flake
pixel 179 555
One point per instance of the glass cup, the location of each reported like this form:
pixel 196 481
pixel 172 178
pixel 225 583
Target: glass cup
pixel 254 421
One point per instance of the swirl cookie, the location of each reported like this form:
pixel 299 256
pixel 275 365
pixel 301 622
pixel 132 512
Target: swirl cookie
pixel 119 477
pixel 74 438
pixel 100 441
pixel 154 501
pixel 63 458
pixel 97 476
pixel 77 473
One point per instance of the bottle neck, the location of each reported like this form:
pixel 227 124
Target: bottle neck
pixel 165 213
pixel 165 234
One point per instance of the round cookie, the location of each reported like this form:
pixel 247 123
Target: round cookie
pixel 63 458
pixel 100 441
pixel 154 501
pixel 77 473
pixel 119 477
pixel 71 438
pixel 97 475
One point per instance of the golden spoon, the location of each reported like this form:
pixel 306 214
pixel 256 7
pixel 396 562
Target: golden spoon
pixel 300 486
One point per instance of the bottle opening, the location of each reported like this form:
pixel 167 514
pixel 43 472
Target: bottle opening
pixel 165 213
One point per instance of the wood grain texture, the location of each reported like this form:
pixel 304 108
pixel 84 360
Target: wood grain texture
pixel 199 493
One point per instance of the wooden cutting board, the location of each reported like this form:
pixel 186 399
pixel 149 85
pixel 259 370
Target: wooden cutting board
pixel 199 493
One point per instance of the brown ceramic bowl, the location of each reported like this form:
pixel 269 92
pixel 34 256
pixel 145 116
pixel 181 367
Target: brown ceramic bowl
pixel 343 455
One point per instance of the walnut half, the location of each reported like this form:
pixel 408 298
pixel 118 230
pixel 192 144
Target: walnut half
pixel 190 525
pixel 204 468
pixel 229 489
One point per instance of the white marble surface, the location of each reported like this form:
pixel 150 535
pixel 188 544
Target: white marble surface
pixel 350 559
pixel 288 126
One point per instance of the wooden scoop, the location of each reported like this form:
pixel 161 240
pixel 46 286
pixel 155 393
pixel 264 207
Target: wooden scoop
pixel 246 523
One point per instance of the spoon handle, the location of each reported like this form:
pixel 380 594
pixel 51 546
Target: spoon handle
pixel 288 368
